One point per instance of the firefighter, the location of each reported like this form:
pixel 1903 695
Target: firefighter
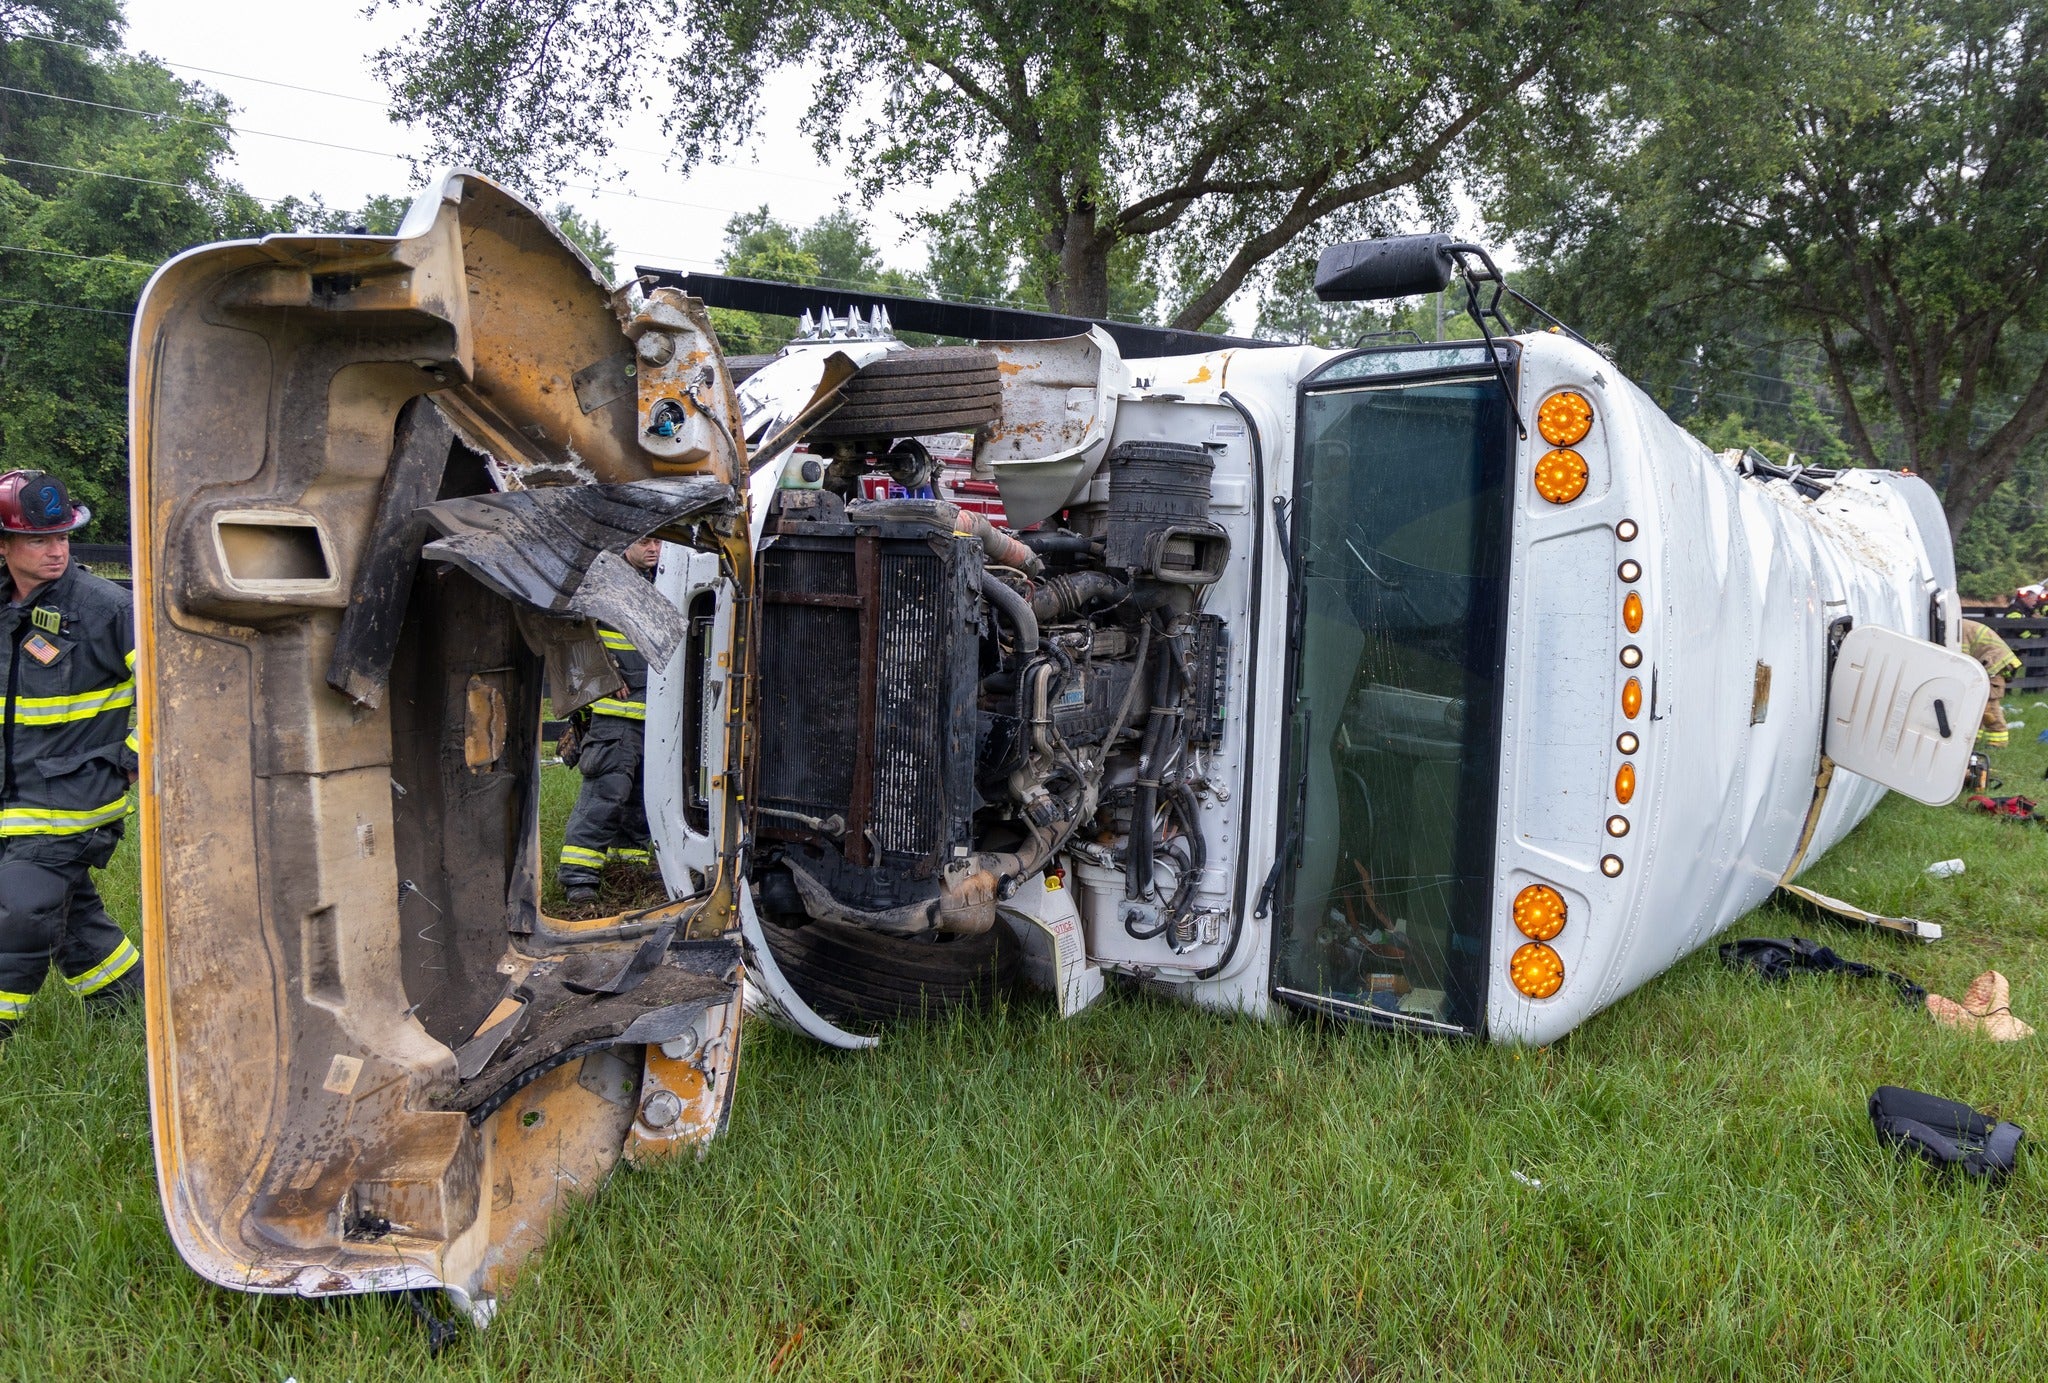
pixel 2025 605
pixel 610 819
pixel 69 755
pixel 2000 662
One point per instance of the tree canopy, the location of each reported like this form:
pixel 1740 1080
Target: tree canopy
pixel 1215 136
pixel 93 195
pixel 1854 186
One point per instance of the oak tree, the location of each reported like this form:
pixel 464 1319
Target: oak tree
pixel 1217 136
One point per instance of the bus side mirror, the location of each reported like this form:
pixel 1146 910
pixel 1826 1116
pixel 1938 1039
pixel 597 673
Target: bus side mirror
pixel 1398 266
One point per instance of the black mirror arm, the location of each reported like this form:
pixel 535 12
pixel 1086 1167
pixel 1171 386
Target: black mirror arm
pixel 1491 308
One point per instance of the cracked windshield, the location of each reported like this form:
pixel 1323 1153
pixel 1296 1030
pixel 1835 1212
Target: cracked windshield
pixel 1404 524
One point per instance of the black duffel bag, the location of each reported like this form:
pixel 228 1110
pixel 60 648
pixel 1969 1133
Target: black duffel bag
pixel 1946 1133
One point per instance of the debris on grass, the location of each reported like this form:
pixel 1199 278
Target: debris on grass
pixel 1986 1008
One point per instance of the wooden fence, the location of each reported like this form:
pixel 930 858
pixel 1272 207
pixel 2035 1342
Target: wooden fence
pixel 2027 637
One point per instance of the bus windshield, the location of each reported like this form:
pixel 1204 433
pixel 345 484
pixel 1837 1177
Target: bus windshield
pixel 1398 644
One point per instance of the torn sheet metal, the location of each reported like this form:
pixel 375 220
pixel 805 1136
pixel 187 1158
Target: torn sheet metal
pixel 801 376
pixel 1848 912
pixel 556 549
pixel 1059 408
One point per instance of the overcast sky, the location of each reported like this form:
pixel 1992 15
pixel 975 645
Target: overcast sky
pixel 254 54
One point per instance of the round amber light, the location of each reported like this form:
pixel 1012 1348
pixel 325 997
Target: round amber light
pixel 1632 613
pixel 1628 743
pixel 1539 912
pixel 1564 419
pixel 1536 970
pixel 1625 781
pixel 1610 865
pixel 1631 697
pixel 1626 530
pixel 1561 476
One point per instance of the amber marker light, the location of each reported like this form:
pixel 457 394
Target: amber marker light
pixel 1632 613
pixel 1561 476
pixel 1539 912
pixel 1564 419
pixel 1632 697
pixel 1536 970
pixel 1625 782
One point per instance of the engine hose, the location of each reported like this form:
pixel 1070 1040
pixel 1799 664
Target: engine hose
pixel 1183 800
pixel 1004 598
pixel 1062 596
pixel 1001 548
pixel 1138 871
pixel 1059 540
pixel 1123 711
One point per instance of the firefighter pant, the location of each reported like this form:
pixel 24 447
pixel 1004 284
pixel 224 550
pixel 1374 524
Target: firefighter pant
pixel 50 911
pixel 1993 731
pixel 610 819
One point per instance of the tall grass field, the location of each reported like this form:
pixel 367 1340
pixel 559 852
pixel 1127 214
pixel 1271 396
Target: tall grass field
pixel 1686 1188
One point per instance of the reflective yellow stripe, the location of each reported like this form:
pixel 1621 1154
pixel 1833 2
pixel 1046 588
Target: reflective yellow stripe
pixel 615 640
pixel 54 710
pixel 630 856
pixel 576 854
pixel 107 971
pixel 624 710
pixel 134 744
pixel 12 1005
pixel 49 821
pixel 131 660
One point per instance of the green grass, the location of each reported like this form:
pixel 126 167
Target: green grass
pixel 1149 1192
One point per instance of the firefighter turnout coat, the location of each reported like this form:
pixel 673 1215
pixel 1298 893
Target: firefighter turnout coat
pixel 70 691
pixel 69 684
pixel 609 821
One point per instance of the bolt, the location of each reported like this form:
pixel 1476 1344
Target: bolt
pixel 661 1109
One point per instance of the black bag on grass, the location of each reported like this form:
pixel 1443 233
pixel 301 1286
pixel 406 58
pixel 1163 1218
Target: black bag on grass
pixel 1946 1133
pixel 1776 958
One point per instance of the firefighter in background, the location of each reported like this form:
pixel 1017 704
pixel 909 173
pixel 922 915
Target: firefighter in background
pixel 2000 662
pixel 610 819
pixel 69 755
pixel 2025 604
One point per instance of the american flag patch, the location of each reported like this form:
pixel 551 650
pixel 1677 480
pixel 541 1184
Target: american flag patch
pixel 40 649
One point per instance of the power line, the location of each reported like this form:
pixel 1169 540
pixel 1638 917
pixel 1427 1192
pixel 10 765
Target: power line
pixel 124 177
pixel 67 254
pixel 232 129
pixel 199 120
pixel 66 307
pixel 384 106
pixel 209 71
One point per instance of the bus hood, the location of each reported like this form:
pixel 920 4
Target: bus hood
pixel 375 482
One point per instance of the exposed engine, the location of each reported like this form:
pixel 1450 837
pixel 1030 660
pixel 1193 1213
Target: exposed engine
pixel 947 705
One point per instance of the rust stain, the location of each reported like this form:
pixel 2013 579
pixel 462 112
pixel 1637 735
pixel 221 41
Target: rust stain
pixel 483 736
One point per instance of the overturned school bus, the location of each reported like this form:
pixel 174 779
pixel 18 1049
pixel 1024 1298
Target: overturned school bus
pixel 1444 687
